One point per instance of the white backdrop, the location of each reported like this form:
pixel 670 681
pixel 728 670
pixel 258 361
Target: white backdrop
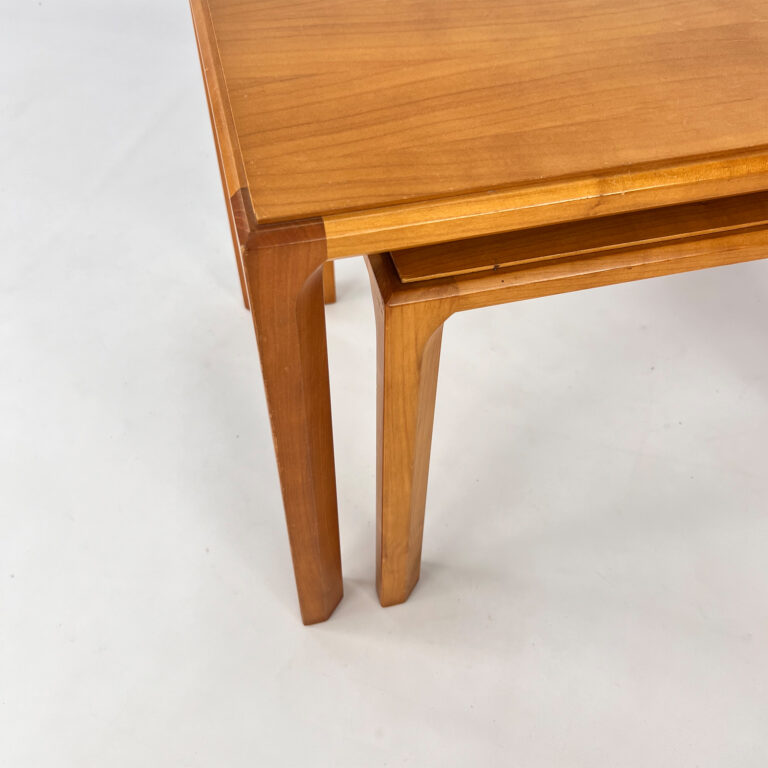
pixel 595 587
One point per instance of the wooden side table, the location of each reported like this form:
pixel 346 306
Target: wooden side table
pixel 348 128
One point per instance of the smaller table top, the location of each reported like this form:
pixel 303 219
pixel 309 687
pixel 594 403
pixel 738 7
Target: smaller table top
pixel 638 229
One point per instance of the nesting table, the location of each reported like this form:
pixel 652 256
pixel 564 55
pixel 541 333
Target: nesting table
pixel 375 126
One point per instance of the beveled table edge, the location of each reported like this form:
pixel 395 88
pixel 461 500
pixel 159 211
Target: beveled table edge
pixel 475 214
pixel 436 221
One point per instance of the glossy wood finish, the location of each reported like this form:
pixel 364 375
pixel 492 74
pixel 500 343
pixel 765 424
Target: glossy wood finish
pixel 410 318
pixel 283 270
pixel 344 107
pixel 582 237
pixel 406 226
pixel 408 354
pixel 587 270
pixel 405 123
pixel 242 220
pixel 384 125
pixel 227 145
pixel 227 152
pixel 285 277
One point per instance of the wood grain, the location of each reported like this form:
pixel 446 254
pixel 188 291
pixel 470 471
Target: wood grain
pixel 406 226
pixel 588 236
pixel 227 151
pixel 383 125
pixel 408 357
pixel 588 270
pixel 227 145
pixel 283 269
pixel 242 219
pixel 343 107
pixel 410 318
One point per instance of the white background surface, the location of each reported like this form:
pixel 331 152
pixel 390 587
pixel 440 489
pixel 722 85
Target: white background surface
pixel 595 587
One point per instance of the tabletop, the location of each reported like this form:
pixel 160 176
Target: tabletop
pixel 342 107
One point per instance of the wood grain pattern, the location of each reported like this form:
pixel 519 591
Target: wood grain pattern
pixel 283 269
pixel 342 107
pixel 285 278
pixel 408 356
pixel 410 318
pixel 227 145
pixel 242 220
pixel 384 125
pixel 406 226
pixel 586 270
pixel 227 151
pixel 589 236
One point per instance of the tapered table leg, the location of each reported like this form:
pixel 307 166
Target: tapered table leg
pixel 284 276
pixel 408 346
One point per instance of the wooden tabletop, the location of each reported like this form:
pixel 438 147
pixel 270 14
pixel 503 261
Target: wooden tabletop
pixel 389 118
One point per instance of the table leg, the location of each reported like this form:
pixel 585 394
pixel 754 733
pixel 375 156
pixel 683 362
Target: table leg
pixel 284 275
pixel 408 357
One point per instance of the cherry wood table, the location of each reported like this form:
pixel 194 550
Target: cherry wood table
pixel 345 128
